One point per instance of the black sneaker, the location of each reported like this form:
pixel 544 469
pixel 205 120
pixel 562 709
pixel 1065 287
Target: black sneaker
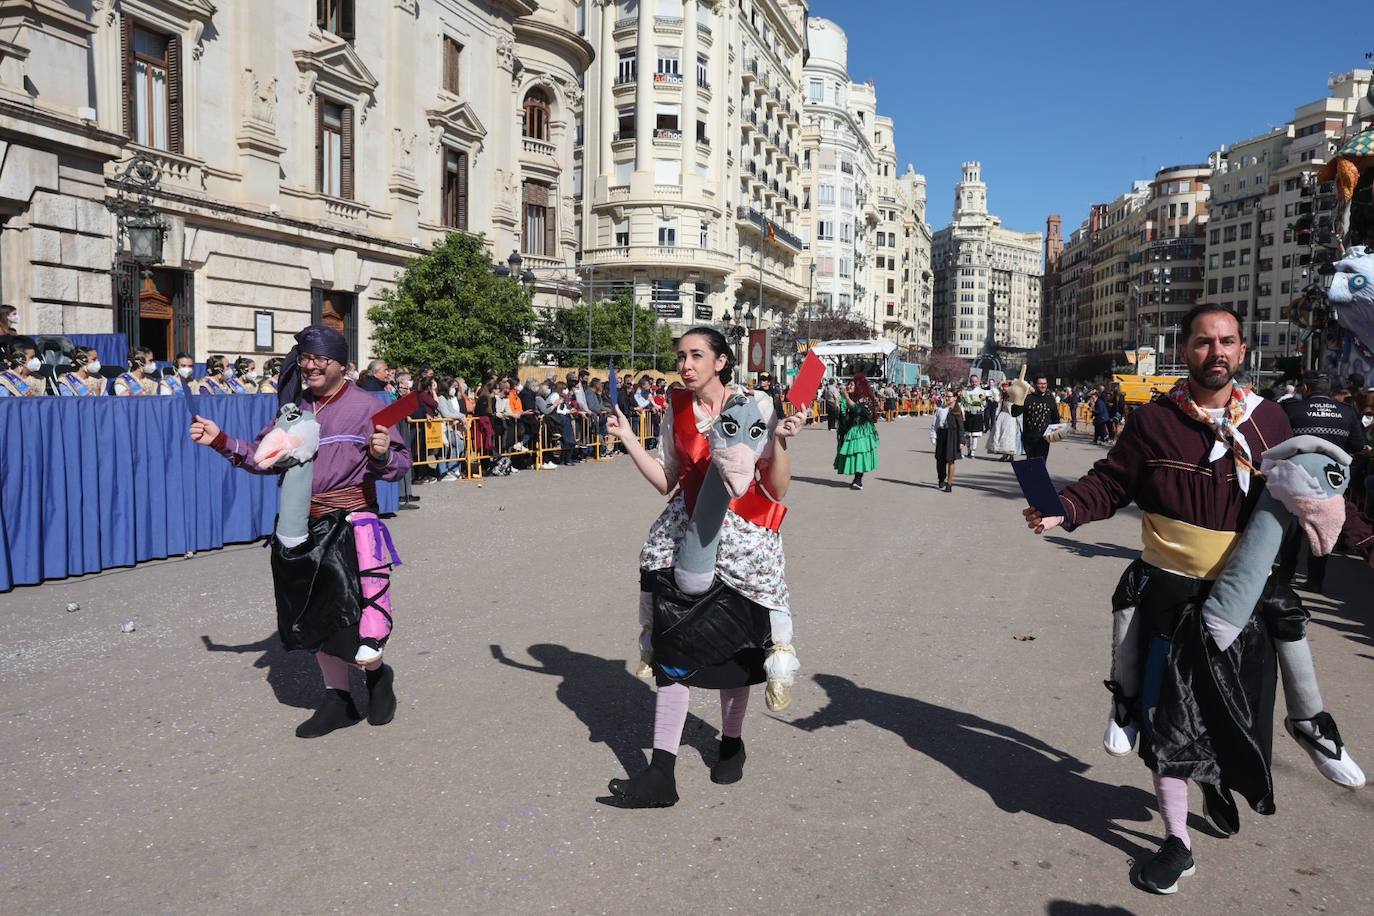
pixel 1173 861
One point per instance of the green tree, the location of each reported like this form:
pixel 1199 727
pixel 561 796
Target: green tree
pixel 563 336
pixel 449 311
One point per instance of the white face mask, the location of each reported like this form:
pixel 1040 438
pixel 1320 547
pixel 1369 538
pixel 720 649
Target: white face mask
pixel 184 371
pixel 452 392
pixel 150 368
pixel 1366 420
pixel 33 365
pixel 93 368
pixel 250 375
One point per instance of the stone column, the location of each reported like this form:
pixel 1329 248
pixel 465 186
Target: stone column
pixel 647 60
pixel 605 99
pixel 689 90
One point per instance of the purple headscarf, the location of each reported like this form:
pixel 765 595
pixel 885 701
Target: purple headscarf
pixel 317 340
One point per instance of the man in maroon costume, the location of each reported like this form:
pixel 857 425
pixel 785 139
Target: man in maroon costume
pixel 1189 462
pixel 319 594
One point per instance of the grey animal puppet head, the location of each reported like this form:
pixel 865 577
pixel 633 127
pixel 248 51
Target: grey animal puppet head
pixel 1309 476
pixel 294 440
pixel 737 440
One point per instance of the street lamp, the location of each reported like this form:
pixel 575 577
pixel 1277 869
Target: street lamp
pixel 141 228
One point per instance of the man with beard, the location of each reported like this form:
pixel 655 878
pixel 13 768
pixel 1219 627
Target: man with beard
pixel 1038 413
pixel 1188 461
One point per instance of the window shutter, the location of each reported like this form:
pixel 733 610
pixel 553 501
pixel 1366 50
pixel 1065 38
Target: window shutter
pixel 346 19
pixel 126 53
pixel 174 133
pixel 346 159
pixel 463 191
pixel 319 144
pixel 321 12
pixel 550 232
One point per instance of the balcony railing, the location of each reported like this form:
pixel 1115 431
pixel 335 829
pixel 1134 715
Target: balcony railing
pixel 623 135
pixel 538 147
pixel 750 215
pixel 668 23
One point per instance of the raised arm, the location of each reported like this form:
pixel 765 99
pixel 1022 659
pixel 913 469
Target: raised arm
pixel 617 425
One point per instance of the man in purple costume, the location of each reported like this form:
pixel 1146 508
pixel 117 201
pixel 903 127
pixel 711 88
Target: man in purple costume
pixel 324 585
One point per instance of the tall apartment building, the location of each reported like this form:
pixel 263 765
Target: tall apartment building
pixel 1168 269
pixel 917 279
pixel 838 164
pixel 305 155
pixel 987 278
pixel 1107 320
pixel 1261 189
pixel 690 157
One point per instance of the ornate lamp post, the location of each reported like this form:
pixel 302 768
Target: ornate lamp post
pixel 141 230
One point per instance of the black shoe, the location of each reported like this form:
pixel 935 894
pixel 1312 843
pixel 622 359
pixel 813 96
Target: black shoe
pixel 654 787
pixel 381 695
pixel 729 766
pixel 1220 810
pixel 337 711
pixel 1173 861
pixel 414 499
pixel 407 506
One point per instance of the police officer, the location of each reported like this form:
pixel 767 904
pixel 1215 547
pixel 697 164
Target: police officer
pixel 141 379
pixel 1317 414
pixel 84 380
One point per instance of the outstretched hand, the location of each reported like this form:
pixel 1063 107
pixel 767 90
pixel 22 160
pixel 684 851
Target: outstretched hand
pixel 789 426
pixel 1041 523
pixel 203 431
pixel 617 425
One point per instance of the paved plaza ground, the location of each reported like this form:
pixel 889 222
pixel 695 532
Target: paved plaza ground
pixel 942 754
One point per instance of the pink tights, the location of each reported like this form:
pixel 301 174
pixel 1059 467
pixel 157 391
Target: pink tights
pixel 670 714
pixel 1172 794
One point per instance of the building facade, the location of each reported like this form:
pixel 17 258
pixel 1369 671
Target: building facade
pixel 302 161
pixel 917 280
pixel 690 158
pixel 987 278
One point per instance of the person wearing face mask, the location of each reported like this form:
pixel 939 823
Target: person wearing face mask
pixel 141 379
pixel 84 380
pixel 19 378
pixel 245 377
pixel 272 379
pixel 214 381
pixel 178 379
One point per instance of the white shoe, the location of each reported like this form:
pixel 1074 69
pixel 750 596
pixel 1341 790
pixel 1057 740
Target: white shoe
pixel 1119 740
pixel 547 466
pixel 1319 737
pixel 519 447
pixel 366 655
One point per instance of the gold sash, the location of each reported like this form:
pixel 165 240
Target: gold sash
pixel 1183 548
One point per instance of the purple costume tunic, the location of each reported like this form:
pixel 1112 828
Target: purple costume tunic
pixel 332 593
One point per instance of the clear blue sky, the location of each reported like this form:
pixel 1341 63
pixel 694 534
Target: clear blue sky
pixel 1066 103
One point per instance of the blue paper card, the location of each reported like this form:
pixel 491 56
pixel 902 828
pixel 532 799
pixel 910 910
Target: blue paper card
pixel 1036 486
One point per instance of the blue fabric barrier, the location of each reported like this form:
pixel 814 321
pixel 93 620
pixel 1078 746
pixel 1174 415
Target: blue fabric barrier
pixel 94 483
pixel 113 348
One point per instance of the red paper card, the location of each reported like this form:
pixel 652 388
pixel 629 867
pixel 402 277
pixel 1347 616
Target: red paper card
pixel 394 413
pixel 807 382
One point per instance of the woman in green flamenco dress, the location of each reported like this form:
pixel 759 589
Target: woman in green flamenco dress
pixel 858 451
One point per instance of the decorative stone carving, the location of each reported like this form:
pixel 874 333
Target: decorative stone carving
pixel 404 143
pixel 505 53
pixel 261 101
pixel 409 7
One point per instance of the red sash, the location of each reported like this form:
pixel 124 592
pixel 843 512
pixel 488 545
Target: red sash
pixel 694 457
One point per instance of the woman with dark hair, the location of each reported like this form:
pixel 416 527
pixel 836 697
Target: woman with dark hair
pixel 947 434
pixel 858 450
pixel 214 381
pixel 699 457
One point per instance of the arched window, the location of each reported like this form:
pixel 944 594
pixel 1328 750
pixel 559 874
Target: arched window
pixel 536 115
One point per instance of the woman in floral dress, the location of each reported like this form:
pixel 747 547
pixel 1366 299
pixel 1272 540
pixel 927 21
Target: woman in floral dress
pixel 749 558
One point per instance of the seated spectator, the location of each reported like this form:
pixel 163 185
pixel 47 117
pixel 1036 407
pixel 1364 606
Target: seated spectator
pixel 598 411
pixel 84 380
pixel 505 419
pixel 529 415
pixel 484 410
pixel 455 430
pixel 177 380
pixel 214 381
pixel 378 380
pixel 19 378
pixel 142 377
pixel 244 379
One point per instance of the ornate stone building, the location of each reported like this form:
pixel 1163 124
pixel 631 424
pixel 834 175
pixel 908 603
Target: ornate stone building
pixel 305 152
pixel 987 278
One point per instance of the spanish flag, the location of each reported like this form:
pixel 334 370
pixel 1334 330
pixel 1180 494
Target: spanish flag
pixel 772 233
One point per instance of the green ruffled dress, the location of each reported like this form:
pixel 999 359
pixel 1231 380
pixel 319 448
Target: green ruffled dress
pixel 858 451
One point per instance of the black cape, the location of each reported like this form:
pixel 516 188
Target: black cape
pixel 319 595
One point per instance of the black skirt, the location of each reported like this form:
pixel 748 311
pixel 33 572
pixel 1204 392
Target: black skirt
pixel 319 595
pixel 714 640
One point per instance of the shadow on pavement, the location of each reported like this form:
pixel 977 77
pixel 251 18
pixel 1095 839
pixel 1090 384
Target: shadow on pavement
pixel 1100 549
pixel 1341 600
pixel 616 707
pixel 293 676
pixel 841 483
pixel 1072 908
pixel 1019 772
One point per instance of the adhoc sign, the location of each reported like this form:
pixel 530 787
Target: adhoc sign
pixel 758 360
